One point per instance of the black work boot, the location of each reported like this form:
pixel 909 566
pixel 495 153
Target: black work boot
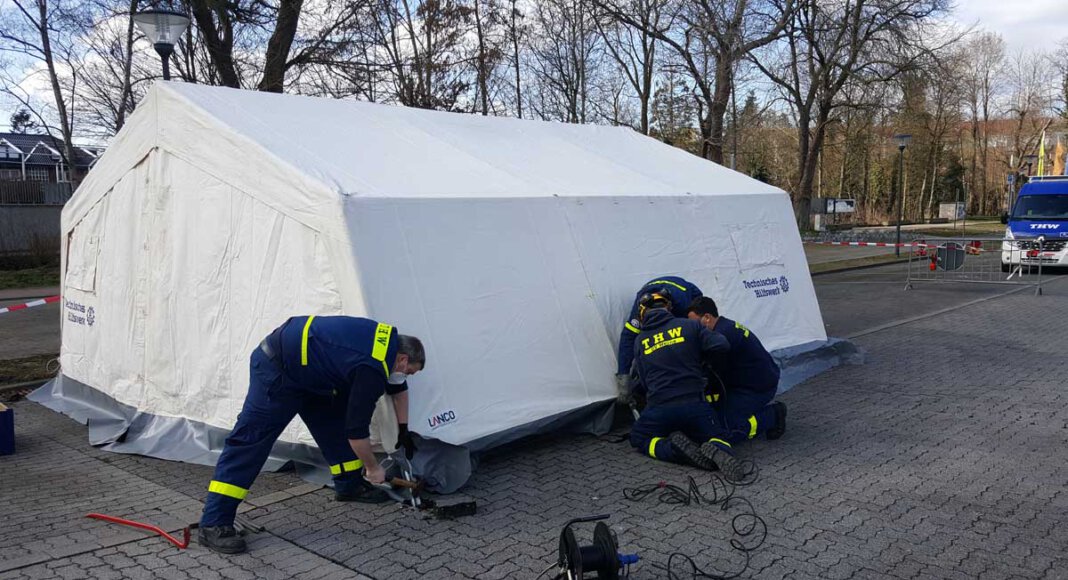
pixel 222 539
pixel 780 422
pixel 732 469
pixel 685 448
pixel 358 490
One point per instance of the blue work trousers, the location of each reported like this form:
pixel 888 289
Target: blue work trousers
pixel 697 420
pixel 746 413
pixel 271 403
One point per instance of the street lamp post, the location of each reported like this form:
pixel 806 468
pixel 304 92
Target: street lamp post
pixel 163 28
pixel 902 142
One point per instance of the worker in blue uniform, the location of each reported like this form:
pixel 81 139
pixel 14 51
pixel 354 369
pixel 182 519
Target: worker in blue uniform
pixel 679 291
pixel 749 377
pixel 678 424
pixel 330 370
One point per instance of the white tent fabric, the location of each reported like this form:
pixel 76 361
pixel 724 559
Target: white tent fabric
pixel 512 248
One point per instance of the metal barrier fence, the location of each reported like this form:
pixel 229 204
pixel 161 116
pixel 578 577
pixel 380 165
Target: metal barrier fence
pixel 34 193
pixel 982 260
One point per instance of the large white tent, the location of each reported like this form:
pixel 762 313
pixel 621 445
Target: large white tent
pixel 513 248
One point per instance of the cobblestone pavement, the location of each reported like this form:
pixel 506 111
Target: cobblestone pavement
pixel 944 456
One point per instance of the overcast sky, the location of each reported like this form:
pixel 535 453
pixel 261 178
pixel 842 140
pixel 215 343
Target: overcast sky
pixel 1024 24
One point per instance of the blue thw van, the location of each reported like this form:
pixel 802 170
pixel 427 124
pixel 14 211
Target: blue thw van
pixel 1041 210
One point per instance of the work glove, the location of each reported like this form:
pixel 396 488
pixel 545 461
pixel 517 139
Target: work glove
pixel 404 440
pixel 623 395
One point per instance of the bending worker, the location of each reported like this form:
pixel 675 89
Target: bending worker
pixel 749 376
pixel 678 424
pixel 680 293
pixel 330 370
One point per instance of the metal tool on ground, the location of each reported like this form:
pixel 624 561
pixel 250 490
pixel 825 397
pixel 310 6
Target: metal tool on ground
pixel 400 484
pixel 404 488
pixel 601 560
pixel 183 544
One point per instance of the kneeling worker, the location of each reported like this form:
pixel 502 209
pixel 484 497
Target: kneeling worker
pixel 679 291
pixel 677 424
pixel 330 370
pixel 749 374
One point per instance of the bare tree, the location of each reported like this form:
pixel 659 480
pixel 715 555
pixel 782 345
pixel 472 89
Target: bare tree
pixel 42 34
pixel 943 84
pixel 215 24
pixel 634 51
pixel 424 50
pixel 109 90
pixel 710 38
pixel 489 21
pixel 517 31
pixel 1059 61
pixel 828 46
pixel 984 55
pixel 673 112
pixel 1029 106
pixel 565 56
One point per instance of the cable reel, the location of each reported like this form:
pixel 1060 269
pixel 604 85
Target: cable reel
pixel 602 558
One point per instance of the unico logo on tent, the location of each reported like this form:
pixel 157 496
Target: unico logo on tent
pixel 442 418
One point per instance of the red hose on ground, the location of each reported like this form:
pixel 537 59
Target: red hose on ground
pixel 181 545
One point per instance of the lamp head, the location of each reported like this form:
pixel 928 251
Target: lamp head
pixel 161 27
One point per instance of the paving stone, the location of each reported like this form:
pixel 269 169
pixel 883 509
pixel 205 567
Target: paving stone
pixel 942 457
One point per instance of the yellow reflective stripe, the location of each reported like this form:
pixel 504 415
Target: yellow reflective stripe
pixel 708 398
pixel 381 345
pixel 683 288
pixel 304 342
pixel 752 426
pixel 652 447
pixel 631 328
pixel 227 490
pixel 715 397
pixel 720 441
pixel 347 467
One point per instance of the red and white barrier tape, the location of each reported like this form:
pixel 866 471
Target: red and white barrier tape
pixel 974 247
pixel 31 304
pixel 874 244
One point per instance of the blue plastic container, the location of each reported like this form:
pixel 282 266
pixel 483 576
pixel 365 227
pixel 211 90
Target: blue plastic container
pixel 7 430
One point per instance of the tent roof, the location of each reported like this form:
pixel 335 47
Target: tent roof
pixel 369 149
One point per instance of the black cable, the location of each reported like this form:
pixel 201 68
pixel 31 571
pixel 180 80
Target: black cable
pixel 743 525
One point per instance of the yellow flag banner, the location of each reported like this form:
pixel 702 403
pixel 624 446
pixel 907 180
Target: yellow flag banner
pixel 1042 154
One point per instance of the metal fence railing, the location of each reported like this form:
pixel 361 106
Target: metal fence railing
pixel 34 193
pixel 982 260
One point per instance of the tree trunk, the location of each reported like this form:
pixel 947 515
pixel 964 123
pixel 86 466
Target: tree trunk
pixel 57 91
pixel 648 70
pixel 483 88
pixel 805 169
pixel 717 110
pixel 975 156
pixel 126 99
pixel 867 174
pixel 515 62
pixel 275 63
pixel 220 46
